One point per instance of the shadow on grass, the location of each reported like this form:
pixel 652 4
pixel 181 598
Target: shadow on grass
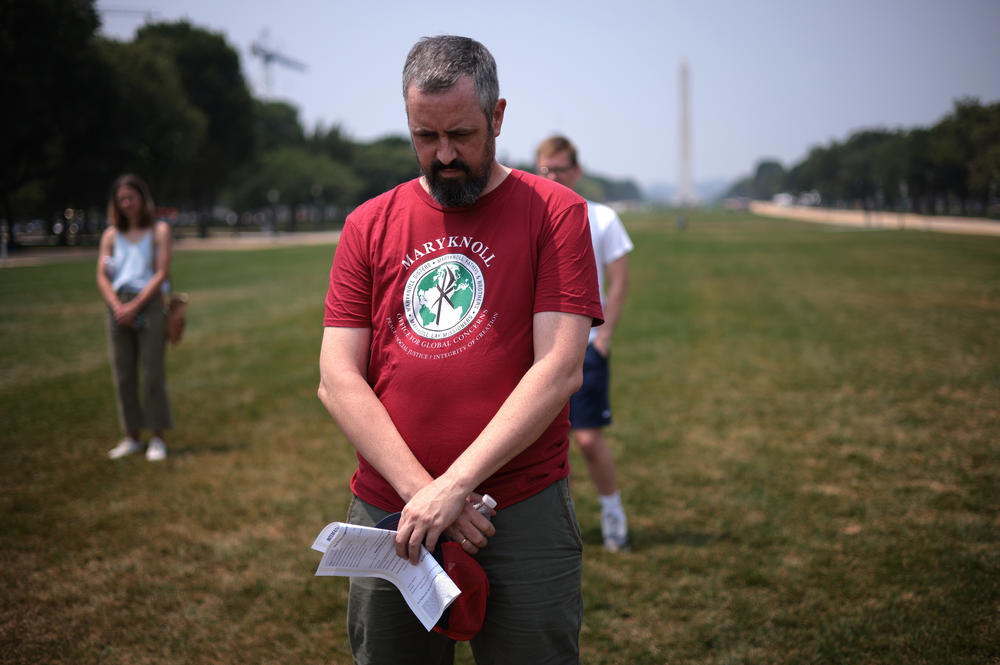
pixel 194 448
pixel 644 538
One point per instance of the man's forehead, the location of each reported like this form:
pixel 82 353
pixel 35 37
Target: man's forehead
pixel 464 86
pixel 456 106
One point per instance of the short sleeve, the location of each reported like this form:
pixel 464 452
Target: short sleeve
pixel 349 296
pixel 567 271
pixel 615 241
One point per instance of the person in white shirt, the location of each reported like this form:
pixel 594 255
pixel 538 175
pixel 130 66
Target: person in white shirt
pixel 590 410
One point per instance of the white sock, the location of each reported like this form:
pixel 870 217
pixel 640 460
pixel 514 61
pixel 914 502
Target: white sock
pixel 611 502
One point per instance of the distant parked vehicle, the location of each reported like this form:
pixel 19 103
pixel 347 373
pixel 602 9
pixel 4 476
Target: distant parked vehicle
pixel 810 198
pixel 783 199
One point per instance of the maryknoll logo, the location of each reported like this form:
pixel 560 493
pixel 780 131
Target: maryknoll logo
pixel 443 296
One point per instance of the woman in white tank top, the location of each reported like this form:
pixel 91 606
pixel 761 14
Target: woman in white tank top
pixel 133 265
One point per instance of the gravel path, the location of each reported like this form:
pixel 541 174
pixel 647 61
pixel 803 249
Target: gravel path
pixel 878 220
pixel 33 256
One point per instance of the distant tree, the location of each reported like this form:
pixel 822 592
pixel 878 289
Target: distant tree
pixel 591 189
pixel 334 144
pixel 889 168
pixel 49 71
pixel 624 190
pixel 857 177
pixel 796 178
pixel 818 171
pixel 210 73
pixel 383 164
pixel 965 144
pixel 276 125
pixel 918 172
pixel 298 176
pixel 768 179
pixel 741 188
pixel 953 166
pixel 611 189
pixel 950 155
pixel 984 168
pixel 147 126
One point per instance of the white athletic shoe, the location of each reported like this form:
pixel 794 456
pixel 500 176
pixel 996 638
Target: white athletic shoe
pixel 614 528
pixel 126 446
pixel 157 450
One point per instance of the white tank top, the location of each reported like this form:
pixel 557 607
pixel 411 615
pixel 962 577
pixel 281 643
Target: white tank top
pixel 131 265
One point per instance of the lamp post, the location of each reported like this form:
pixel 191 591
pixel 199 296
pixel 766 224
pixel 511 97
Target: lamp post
pixel 273 195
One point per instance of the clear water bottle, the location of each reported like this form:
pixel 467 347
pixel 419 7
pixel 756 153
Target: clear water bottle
pixel 485 505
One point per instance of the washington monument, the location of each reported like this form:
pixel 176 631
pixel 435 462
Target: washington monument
pixel 685 186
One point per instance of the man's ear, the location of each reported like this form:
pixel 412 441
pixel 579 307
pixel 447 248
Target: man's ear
pixel 498 110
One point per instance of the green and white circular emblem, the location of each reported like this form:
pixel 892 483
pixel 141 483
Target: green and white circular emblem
pixel 443 296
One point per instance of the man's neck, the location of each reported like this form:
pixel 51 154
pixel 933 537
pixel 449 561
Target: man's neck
pixel 498 174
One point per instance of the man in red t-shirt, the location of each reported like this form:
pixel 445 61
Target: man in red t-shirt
pixel 456 322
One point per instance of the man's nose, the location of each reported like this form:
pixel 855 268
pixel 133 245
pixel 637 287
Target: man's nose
pixel 446 153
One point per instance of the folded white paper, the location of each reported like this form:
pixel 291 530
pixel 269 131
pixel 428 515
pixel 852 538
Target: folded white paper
pixel 352 550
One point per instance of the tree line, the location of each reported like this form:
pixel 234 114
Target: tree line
pixel 950 168
pixel 171 105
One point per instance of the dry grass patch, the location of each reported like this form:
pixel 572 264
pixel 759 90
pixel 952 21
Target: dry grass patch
pixel 805 426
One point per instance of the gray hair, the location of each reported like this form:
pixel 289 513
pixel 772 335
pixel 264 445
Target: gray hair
pixel 435 64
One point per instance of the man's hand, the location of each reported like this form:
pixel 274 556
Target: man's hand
pixel 439 508
pixel 602 343
pixel 471 528
pixel 559 340
pixel 616 278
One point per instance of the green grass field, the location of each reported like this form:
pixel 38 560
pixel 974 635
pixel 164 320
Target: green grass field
pixel 807 425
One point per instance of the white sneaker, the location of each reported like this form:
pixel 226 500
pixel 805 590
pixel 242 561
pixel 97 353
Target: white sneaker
pixel 614 528
pixel 126 446
pixel 157 450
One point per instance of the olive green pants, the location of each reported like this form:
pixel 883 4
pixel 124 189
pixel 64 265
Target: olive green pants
pixel 131 348
pixel 535 608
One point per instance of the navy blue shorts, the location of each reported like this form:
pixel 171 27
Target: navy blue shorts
pixel 589 407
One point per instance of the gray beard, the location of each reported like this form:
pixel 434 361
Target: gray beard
pixel 462 192
pixel 458 193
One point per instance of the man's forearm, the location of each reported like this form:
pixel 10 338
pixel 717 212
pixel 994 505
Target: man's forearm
pixel 360 415
pixel 613 308
pixel 614 302
pixel 530 408
pixel 366 424
pixel 560 341
pixel 522 418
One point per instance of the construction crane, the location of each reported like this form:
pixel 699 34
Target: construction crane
pixel 268 57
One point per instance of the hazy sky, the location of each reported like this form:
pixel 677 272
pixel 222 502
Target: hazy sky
pixel 768 78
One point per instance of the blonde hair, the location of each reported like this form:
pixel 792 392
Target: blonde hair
pixel 554 145
pixel 146 212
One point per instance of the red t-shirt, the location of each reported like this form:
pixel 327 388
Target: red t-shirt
pixel 449 295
